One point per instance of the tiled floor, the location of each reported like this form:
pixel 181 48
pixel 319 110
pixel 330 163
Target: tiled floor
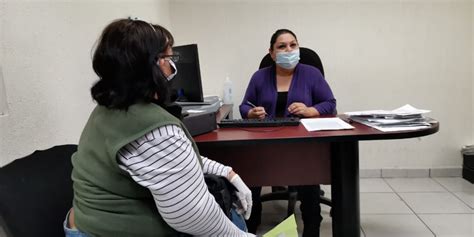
pixel 400 207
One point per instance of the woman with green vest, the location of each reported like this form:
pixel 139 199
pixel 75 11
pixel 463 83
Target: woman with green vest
pixel 137 171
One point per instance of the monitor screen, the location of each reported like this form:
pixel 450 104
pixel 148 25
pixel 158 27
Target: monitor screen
pixel 186 86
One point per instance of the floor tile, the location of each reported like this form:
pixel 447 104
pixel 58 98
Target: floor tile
pixel 374 185
pixel 449 225
pixel 445 208
pixel 325 209
pixel 466 197
pixel 325 228
pixel 414 185
pixel 394 226
pixel 281 206
pixel 268 222
pixel 426 203
pixel 327 190
pixel 266 189
pixel 277 207
pixel 382 203
pixel 456 184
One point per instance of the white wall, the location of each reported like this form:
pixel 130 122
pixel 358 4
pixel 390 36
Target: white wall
pixel 377 54
pixel 45 52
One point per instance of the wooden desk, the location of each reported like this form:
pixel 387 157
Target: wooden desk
pixel 292 155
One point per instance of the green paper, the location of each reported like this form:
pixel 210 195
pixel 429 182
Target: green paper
pixel 286 228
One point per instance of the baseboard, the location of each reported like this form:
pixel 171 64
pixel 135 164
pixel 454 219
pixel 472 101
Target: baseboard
pixel 411 172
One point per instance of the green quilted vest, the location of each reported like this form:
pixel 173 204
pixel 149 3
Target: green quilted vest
pixel 107 202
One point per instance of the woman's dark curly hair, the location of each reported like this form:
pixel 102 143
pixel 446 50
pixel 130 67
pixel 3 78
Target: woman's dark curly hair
pixel 125 61
pixel 277 34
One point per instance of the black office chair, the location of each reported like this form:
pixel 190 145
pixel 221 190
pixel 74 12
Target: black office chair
pixel 36 193
pixel 309 57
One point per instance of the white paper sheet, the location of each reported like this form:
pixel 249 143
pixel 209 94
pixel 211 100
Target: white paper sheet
pixel 319 124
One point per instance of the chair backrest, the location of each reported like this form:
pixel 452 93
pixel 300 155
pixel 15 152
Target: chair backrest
pixel 307 56
pixel 36 192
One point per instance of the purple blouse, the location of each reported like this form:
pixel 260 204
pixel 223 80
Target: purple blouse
pixel 307 86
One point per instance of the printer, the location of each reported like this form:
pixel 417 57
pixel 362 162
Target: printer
pixel 200 118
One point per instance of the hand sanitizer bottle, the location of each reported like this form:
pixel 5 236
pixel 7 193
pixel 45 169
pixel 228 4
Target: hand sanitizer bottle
pixel 227 91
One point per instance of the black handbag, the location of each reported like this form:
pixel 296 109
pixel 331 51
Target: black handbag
pixel 223 191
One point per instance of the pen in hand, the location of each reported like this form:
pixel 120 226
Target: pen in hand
pixel 253 106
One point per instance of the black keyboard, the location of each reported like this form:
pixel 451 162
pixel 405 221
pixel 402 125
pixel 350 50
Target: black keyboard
pixel 273 122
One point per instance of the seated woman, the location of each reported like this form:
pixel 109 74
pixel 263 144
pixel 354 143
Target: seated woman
pixel 286 89
pixel 137 171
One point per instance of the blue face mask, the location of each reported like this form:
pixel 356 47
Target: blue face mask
pixel 288 60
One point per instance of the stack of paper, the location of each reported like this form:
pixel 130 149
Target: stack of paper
pixel 320 124
pixel 406 117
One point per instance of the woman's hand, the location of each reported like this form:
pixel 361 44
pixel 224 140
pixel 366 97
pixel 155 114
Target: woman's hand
pixel 244 194
pixel 301 110
pixel 257 112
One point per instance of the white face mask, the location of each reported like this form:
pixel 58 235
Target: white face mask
pixel 288 60
pixel 171 76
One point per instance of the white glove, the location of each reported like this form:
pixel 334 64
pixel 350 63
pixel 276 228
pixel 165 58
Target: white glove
pixel 244 194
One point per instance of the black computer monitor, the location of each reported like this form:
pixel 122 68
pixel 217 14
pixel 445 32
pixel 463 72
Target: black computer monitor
pixel 186 86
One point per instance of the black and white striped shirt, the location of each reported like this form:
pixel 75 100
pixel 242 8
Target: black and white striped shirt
pixel 164 162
